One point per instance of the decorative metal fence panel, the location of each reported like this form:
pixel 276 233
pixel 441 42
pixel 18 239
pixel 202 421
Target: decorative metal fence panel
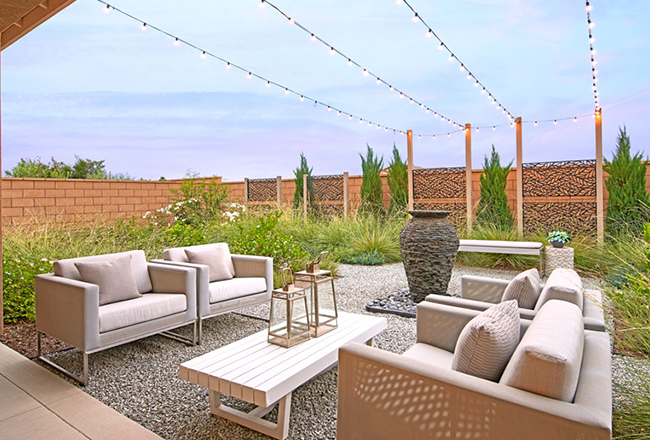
pixel 560 195
pixel 328 193
pixel 263 193
pixel 441 189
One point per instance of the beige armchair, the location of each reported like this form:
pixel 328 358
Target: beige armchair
pixel 479 293
pixel 417 395
pixel 251 284
pixel 69 309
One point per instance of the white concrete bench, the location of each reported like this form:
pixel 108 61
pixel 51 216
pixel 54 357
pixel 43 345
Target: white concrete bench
pixel 503 247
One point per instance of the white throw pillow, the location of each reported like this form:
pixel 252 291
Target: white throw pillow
pixel 114 277
pixel 487 342
pixel 524 288
pixel 217 258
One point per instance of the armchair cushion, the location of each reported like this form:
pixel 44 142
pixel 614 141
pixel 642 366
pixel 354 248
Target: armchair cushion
pixel 525 288
pixel 179 255
pixel 549 357
pixel 564 284
pixel 114 278
pixel 67 268
pixel 217 258
pixel 135 311
pixel 487 342
pixel 236 288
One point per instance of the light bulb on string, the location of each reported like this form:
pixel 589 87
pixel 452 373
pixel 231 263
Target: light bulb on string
pixel 262 4
pixel 592 40
pixel 401 95
pixel 462 68
pixel 429 33
pixel 312 38
pixel 448 134
pixel 228 66
pixel 575 119
pixel 292 21
pixel 477 129
pixel 332 51
pixel 441 47
pixel 535 123
pixel 399 2
pixel 419 136
pixel 591 24
pixel 589 8
pixel 286 91
pixel 412 101
pixel 476 84
pixel 433 137
pixel 302 98
pixel 268 84
pixel 349 62
pixel 360 121
pixel 249 76
pixel 144 27
pixel 421 105
pixel 107 9
pixel 378 81
pixel 512 125
pixel 427 110
pixel 415 18
pixel 469 76
pixel 177 42
pixel 555 122
pixel 369 124
pixel 483 90
pixel 494 128
pixel 365 72
pixel 451 58
pixel 350 117
pixel 338 113
pixel 391 88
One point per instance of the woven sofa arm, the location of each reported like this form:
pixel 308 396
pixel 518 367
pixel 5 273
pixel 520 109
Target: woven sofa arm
pixel 68 310
pixel 252 266
pixel 383 395
pixel 482 288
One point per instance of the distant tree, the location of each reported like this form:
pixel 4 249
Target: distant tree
pixel 627 207
pixel 493 206
pixel 398 182
pixel 302 170
pixel 372 194
pixel 82 169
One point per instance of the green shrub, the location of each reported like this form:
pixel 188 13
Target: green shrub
pixel 372 194
pixel 299 173
pixel 626 186
pixel 81 169
pixel 372 258
pixel 493 206
pixel 197 201
pixel 398 183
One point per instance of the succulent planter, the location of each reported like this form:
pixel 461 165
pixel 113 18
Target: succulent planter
pixel 429 243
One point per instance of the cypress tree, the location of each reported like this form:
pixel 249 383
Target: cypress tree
pixel 398 182
pixel 372 194
pixel 302 170
pixel 493 206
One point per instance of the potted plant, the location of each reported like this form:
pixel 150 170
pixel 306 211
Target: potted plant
pixel 558 238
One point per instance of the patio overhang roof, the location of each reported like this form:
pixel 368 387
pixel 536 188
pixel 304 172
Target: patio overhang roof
pixel 19 17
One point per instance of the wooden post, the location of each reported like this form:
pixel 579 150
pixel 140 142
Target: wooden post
pixel 305 193
pixel 279 191
pixel 1 221
pixel 468 174
pixel 346 194
pixel 600 200
pixel 246 193
pixel 520 180
pixel 409 159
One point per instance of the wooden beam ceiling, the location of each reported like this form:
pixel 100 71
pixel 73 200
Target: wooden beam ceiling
pixel 19 17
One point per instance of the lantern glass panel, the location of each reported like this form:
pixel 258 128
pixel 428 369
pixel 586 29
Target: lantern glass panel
pixel 288 323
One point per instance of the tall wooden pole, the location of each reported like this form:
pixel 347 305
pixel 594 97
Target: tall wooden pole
pixel 600 200
pixel 279 191
pixel 409 158
pixel 1 221
pixel 305 193
pixel 520 180
pixel 346 194
pixel 246 193
pixel 468 174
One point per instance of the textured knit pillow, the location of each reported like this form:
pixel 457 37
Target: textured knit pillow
pixel 114 277
pixel 525 288
pixel 487 342
pixel 215 257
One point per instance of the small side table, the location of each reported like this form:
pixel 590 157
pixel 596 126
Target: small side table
pixel 557 258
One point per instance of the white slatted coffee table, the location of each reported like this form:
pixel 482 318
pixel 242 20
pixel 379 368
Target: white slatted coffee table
pixel 255 371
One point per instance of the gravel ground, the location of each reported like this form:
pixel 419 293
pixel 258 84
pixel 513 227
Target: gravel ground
pixel 140 379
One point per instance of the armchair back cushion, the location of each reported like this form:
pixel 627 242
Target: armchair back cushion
pixel 114 277
pixel 548 359
pixel 217 258
pixel 67 268
pixel 563 284
pixel 487 342
pixel 525 288
pixel 179 255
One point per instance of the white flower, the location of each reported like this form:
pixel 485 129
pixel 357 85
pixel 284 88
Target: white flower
pixel 44 259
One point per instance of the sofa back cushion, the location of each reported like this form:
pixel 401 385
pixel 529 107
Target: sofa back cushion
pixel 114 277
pixel 67 268
pixel 178 254
pixel 548 359
pixel 563 284
pixel 487 342
pixel 525 288
pixel 217 258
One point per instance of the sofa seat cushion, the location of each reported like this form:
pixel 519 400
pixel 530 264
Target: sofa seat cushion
pixel 114 278
pixel 487 342
pixel 548 359
pixel 525 288
pixel 430 355
pixel 563 284
pixel 236 288
pixel 217 258
pixel 179 255
pixel 135 311
pixel 67 268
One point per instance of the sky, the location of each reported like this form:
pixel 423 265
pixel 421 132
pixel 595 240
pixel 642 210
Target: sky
pixel 94 85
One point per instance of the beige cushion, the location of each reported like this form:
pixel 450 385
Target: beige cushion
pixel 548 359
pixel 178 254
pixel 216 258
pixel 114 278
pixel 236 288
pixel 564 284
pixel 67 268
pixel 524 288
pixel 135 311
pixel 430 355
pixel 486 343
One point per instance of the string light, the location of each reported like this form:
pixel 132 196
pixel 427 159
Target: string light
pixel 203 55
pixel 592 52
pixel 249 76
pixel 228 67
pixel 417 17
pixel 107 9
pixel 177 42
pixel 349 59
pixel 268 84
pixel 144 27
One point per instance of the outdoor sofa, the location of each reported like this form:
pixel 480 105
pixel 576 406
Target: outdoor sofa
pixel 225 282
pixel 479 293
pixel 417 395
pixel 151 299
